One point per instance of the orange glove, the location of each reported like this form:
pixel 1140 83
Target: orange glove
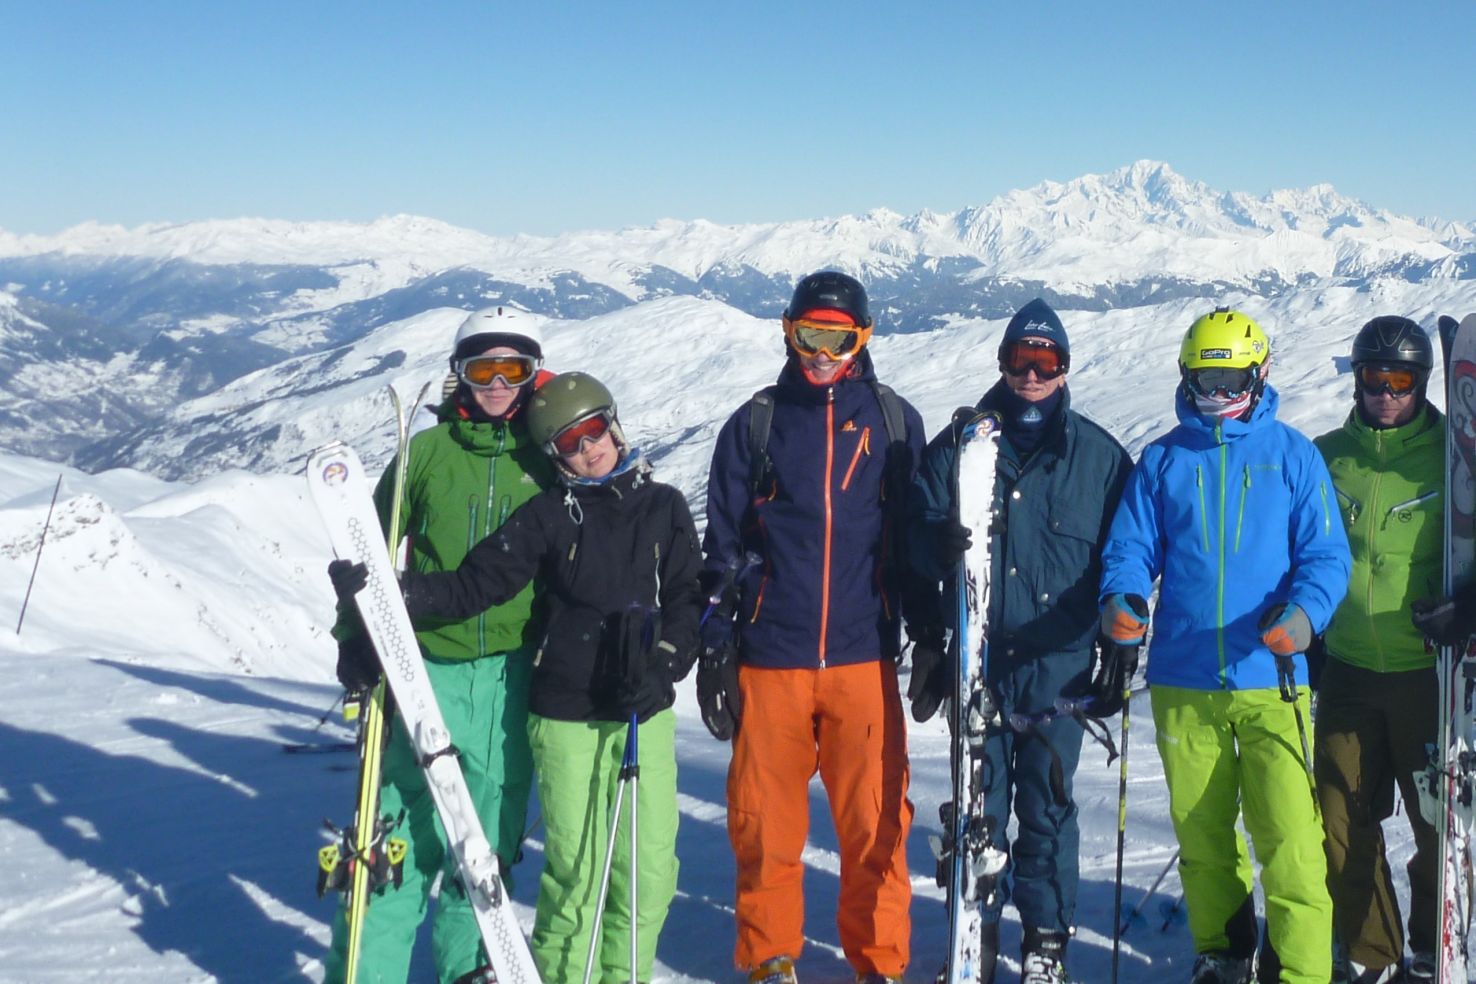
pixel 1125 619
pixel 1286 629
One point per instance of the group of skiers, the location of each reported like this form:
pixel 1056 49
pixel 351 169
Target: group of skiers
pixel 559 595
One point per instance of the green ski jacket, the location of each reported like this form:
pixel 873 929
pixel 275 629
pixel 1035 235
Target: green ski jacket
pixel 1390 486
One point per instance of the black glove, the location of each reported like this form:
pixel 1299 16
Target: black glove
pixel 717 678
pixel 348 579
pixel 951 540
pixel 1116 666
pixel 645 686
pixel 358 663
pixel 929 683
pixel 1447 621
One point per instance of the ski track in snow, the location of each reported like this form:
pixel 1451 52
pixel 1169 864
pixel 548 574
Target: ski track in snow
pixel 153 830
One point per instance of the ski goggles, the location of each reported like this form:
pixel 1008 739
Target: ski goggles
pixel 1394 380
pixel 481 371
pixel 571 439
pixel 1222 380
pixel 1019 357
pixel 816 337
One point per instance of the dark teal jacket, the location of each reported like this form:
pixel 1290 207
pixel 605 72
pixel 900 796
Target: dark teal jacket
pixel 1053 510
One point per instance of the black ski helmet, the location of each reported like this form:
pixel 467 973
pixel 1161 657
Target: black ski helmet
pixel 833 290
pixel 1392 340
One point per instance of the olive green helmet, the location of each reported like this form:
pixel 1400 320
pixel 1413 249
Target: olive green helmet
pixel 564 400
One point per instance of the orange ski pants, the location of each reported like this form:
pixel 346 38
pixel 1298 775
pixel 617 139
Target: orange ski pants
pixel 844 722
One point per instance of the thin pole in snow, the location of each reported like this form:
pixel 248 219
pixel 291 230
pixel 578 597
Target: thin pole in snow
pixel 36 566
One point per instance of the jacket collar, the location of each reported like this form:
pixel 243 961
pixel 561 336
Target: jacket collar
pixel 1201 431
pixel 1393 442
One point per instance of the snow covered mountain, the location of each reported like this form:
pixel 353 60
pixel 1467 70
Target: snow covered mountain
pixel 113 336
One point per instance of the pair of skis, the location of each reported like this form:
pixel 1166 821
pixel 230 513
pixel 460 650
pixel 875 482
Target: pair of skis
pixel 341 492
pixel 969 864
pixel 1454 762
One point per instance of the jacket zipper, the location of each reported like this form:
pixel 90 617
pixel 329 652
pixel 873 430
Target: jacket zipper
pixel 1374 522
pixel 825 564
pixel 1204 529
pixel 1240 517
pixel 1220 600
pixel 863 444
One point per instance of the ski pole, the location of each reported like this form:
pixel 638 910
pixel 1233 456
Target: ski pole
pixel 1127 918
pixel 628 772
pixel 1122 805
pixel 1286 677
pixel 39 547
pixel 632 766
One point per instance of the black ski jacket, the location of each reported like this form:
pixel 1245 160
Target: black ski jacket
pixel 601 550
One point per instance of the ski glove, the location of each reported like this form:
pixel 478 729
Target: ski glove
pixel 1447 621
pixel 717 678
pixel 952 539
pixel 1286 629
pixel 358 663
pixel 1116 665
pixel 645 685
pixel 1125 619
pixel 929 683
pixel 348 579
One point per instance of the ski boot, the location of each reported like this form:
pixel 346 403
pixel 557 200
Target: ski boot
pixel 775 970
pixel 1221 968
pixel 1043 956
pixel 1421 968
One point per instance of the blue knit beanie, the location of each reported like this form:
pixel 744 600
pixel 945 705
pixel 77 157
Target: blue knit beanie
pixel 1036 320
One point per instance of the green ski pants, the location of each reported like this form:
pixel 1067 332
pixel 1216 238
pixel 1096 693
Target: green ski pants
pixel 1372 733
pixel 1237 752
pixel 578 775
pixel 485 704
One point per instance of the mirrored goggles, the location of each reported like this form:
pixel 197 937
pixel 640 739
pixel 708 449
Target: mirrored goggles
pixel 1033 353
pixel 1223 380
pixel 571 439
pixel 1394 380
pixel 481 371
pixel 837 341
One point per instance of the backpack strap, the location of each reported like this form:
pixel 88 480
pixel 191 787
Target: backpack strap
pixel 760 419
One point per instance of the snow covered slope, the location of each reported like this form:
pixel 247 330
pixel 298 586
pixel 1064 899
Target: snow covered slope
pixel 152 828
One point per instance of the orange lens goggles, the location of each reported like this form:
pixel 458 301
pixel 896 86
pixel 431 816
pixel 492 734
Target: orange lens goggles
pixel 480 371
pixel 815 337
pixel 569 440
pixel 1394 380
pixel 1022 356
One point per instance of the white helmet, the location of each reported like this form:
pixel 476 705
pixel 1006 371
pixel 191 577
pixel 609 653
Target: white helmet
pixel 500 325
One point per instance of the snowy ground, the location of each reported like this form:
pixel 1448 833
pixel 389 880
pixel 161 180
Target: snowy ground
pixel 152 829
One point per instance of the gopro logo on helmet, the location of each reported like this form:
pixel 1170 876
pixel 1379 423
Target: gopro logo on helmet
pixel 1216 353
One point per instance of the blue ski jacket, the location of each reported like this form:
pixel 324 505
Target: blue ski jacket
pixel 1234 516
pixel 826 589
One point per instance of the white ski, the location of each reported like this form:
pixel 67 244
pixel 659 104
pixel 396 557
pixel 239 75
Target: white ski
pixel 968 865
pixel 1457 664
pixel 341 493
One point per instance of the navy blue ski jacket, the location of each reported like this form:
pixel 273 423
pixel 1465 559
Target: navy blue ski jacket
pixel 826 591
pixel 1052 514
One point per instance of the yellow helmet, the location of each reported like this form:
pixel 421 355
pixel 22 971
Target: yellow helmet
pixel 1223 339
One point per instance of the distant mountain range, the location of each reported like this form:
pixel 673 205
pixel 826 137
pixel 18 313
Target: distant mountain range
pixel 106 333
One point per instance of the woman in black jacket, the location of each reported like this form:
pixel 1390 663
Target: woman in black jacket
pixel 617 558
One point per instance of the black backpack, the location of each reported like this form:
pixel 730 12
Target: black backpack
pixel 898 472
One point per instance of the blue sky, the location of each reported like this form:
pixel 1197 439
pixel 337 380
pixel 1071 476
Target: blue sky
pixel 553 116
